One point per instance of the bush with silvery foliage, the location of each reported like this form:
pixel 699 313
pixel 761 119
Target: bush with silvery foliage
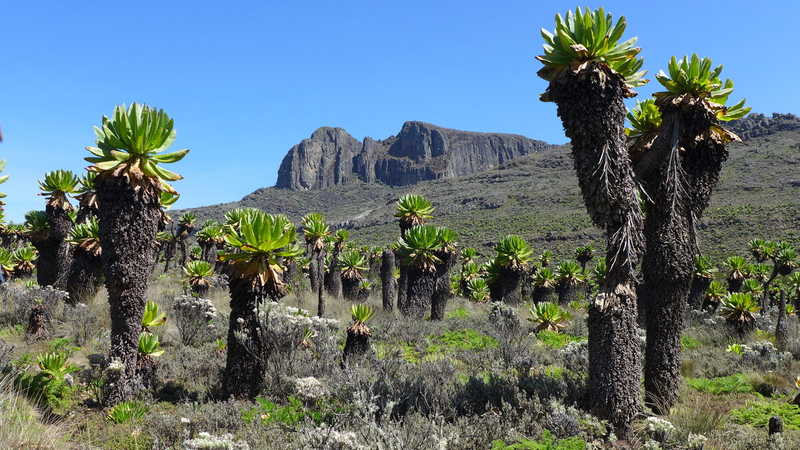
pixel 17 301
pixel 194 318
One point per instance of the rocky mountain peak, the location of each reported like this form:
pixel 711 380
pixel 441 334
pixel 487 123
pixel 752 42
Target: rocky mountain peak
pixel 420 151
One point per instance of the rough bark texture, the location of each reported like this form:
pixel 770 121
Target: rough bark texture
pixel 443 293
pixel 128 224
pixel 333 278
pixel 46 262
pixel 85 276
pixel 356 345
pixel 314 277
pixel 245 363
pixel 388 283
pixel 781 332
pixel 590 105
pixel 543 294
pixel 319 268
pixel 567 292
pixel 350 288
pixel 60 226
pixel 421 285
pixel 679 180
pixel 507 286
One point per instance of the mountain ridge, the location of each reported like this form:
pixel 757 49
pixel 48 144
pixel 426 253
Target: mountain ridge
pixel 537 197
pixel 420 151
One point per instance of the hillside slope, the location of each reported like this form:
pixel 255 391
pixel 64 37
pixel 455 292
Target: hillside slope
pixel 537 197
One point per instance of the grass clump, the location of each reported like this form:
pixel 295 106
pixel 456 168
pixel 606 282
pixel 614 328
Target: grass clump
pixel 127 411
pixel 557 340
pixel 268 412
pixel 546 442
pixel 736 383
pixel 758 413
pixel 689 343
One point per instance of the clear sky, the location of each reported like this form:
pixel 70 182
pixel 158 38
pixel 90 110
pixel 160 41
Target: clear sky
pixel 245 81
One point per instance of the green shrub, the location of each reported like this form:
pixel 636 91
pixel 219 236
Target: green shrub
pixel 546 442
pixel 269 412
pixel 127 411
pixel 460 340
pixel 758 413
pixel 722 385
pixel 689 343
pixel 458 313
pixel 49 387
pixel 557 340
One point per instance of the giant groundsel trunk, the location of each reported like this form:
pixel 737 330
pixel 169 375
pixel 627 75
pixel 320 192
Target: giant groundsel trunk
pixel 128 223
pixel 590 105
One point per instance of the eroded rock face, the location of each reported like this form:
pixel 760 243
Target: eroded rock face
pixel 420 151
pixel 755 125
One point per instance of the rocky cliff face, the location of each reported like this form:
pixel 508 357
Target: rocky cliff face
pixel 420 151
pixel 756 125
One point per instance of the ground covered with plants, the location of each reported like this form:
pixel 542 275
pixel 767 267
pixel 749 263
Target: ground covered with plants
pixel 124 327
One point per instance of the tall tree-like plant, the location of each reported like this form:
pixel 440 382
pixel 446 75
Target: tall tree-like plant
pixel 569 277
pixel 352 265
pixel 128 159
pixel 333 277
pixel 185 229
pixel 679 170
pixel 590 72
pixel 198 276
pixel 211 238
pixel 704 271
pixel 315 231
pixel 24 261
pixel 509 270
pixel 448 255
pixel 421 251
pixel 37 230
pixel 737 271
pixel 56 186
pixel 544 285
pixel 411 210
pixel 388 282
pixel 87 197
pixel 86 272
pixel 256 270
pixel 357 343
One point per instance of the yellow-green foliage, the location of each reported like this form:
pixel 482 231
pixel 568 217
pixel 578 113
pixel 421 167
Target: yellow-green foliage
pixel 758 413
pixel 441 346
pixel 557 340
pixel 722 385
pixel 546 442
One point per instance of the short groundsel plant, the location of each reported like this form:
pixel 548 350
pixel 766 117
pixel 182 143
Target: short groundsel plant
pixel 127 411
pixel 548 316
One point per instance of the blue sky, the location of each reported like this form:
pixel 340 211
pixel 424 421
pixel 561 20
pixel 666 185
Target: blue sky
pixel 246 80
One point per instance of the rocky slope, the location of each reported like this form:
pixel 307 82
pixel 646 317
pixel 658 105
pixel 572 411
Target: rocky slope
pixel 420 152
pixel 537 197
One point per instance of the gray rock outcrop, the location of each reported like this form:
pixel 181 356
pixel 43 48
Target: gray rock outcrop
pixel 420 151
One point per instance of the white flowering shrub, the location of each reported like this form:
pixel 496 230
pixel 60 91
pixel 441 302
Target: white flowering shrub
pixel 659 429
pixel 207 441
pixel 309 388
pixel 194 318
pixel 696 441
pixel 576 356
pixel 763 355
